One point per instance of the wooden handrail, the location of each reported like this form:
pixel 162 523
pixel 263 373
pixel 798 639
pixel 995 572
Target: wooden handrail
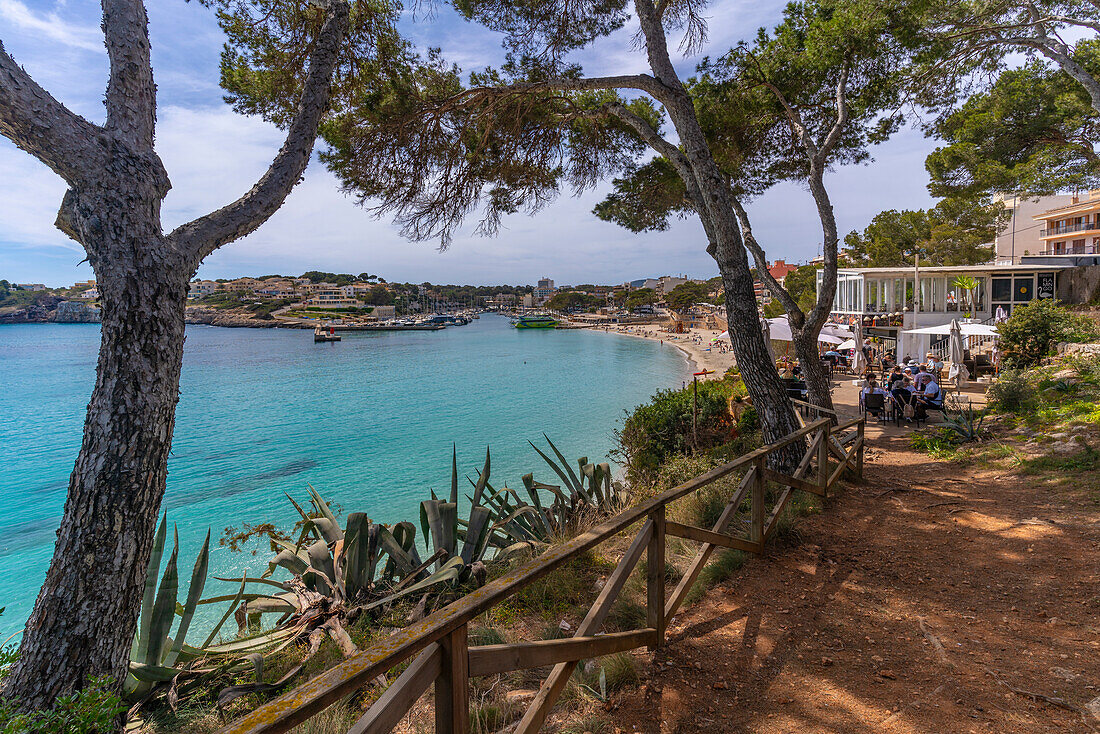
pixel 445 629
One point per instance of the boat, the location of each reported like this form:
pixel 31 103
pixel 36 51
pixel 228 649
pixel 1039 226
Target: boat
pixel 320 335
pixel 536 321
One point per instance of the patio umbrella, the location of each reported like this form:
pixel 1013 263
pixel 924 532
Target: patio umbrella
pixel 836 330
pixel 780 329
pixel 955 349
pixel 765 326
pixel 859 359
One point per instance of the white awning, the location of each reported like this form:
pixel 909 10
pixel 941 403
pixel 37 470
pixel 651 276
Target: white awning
pixel 966 329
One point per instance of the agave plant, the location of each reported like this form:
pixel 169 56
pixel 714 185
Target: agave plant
pixel 161 659
pixel 155 651
pixel 964 424
pixel 462 546
pixel 586 490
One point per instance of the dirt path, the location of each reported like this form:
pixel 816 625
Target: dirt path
pixel 912 604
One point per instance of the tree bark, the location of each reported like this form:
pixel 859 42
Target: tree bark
pixel 83 620
pixel 769 395
pixel 818 387
pixel 709 190
pixel 84 617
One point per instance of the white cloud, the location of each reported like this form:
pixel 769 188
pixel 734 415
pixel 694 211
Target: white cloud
pixel 52 26
pixel 213 156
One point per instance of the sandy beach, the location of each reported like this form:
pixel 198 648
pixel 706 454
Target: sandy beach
pixel 696 344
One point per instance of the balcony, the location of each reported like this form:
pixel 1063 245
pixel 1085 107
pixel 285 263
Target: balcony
pixel 1088 249
pixel 1069 228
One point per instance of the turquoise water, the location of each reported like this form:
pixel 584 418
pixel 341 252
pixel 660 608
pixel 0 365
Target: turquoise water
pixel 368 421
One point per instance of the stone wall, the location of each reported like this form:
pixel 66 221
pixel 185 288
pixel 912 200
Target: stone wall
pixel 1079 285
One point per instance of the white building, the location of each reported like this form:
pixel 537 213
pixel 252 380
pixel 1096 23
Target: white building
pixel 1022 234
pixel 201 288
pixel 544 290
pixel 885 301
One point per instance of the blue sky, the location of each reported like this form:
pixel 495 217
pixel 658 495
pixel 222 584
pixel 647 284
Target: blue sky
pixel 213 156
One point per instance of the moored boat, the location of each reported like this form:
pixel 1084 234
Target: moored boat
pixel 536 321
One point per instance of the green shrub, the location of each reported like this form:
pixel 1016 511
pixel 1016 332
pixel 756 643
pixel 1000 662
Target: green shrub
pixel 663 426
pixel 1033 330
pixel 94 709
pixel 1013 392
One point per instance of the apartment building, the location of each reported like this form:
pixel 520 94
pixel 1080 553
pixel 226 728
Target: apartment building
pixel 1069 234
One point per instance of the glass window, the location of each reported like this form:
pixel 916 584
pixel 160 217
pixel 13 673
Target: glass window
pixel 871 289
pixel 1002 289
pixel 939 295
pixel 1023 289
pixel 980 300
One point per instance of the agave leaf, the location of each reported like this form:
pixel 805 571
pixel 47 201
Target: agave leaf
pixel 253 642
pixel 141 646
pixel 251 596
pixel 289 560
pixel 454 473
pixel 440 519
pixel 152 673
pixel 425 522
pixel 532 490
pixel 194 592
pixel 576 483
pixel 605 477
pixel 450 571
pixel 399 562
pixel 254 580
pixel 327 529
pixel 475 535
pixel 322 506
pixel 164 610
pixel 514 549
pixel 482 480
pixel 269 605
pixel 356 558
pixel 228 612
pixel 320 559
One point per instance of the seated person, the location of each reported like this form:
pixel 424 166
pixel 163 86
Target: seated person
pixel 895 378
pixel 872 388
pixel 931 396
pixel 903 392
pixel 921 378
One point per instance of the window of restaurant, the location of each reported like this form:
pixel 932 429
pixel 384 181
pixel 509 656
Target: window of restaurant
pixel 1023 288
pixel 1001 290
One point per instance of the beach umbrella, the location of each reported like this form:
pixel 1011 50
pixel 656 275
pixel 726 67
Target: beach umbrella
pixel 765 326
pixel 780 329
pixel 955 349
pixel 964 329
pixel 836 330
pixel 849 344
pixel 724 335
pixel 859 359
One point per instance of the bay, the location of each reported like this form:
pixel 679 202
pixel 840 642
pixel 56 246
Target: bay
pixel 368 421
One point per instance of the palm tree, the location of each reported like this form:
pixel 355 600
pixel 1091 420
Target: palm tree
pixel 969 284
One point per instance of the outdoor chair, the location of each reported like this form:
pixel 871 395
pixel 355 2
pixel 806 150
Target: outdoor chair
pixel 875 404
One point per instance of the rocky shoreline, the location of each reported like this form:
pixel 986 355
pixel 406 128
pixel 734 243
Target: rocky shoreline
pixel 59 311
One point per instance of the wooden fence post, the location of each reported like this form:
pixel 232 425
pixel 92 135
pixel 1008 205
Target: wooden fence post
pixel 859 448
pixel 758 505
pixel 823 459
pixel 452 687
pixel 655 581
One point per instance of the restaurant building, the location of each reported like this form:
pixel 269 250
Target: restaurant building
pixel 888 301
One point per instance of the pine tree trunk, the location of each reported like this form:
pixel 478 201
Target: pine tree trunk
pixel 86 612
pixel 817 379
pixel 769 395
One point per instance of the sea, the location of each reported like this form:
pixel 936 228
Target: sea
pixel 369 422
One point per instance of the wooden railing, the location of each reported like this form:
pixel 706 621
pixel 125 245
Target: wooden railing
pixel 437 644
